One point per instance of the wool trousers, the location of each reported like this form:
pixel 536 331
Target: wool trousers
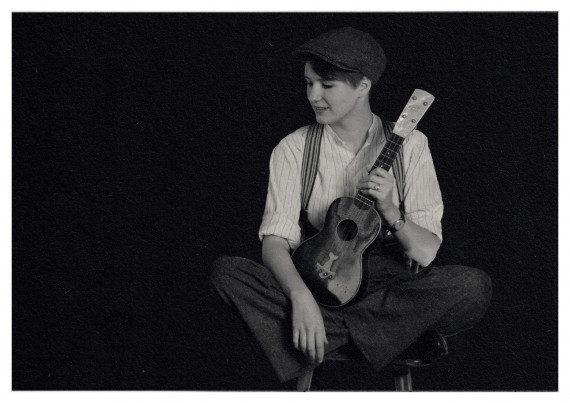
pixel 397 307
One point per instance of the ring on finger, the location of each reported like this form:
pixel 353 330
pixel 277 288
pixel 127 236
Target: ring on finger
pixel 376 187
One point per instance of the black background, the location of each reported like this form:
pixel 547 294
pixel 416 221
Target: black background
pixel 140 153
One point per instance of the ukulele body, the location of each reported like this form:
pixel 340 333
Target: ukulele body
pixel 330 262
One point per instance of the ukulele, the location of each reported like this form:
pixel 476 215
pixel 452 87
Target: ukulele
pixel 330 262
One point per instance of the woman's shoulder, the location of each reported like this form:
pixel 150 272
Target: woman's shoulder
pixel 295 140
pixel 416 139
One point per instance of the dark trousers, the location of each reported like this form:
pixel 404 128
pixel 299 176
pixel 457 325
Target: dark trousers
pixel 394 312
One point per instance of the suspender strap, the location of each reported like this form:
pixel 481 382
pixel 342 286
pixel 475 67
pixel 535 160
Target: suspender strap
pixel 398 165
pixel 310 163
pixel 308 174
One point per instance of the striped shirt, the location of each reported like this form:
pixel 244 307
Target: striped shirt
pixel 339 171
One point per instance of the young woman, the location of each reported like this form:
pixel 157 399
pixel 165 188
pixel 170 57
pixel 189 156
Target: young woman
pixel 404 297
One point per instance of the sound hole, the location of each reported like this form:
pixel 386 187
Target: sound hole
pixel 346 230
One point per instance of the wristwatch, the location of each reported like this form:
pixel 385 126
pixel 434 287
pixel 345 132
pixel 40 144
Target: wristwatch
pixel 398 224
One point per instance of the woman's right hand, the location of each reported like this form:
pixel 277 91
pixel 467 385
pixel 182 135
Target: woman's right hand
pixel 308 327
pixel 309 335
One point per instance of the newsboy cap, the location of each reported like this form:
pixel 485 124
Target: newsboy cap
pixel 348 49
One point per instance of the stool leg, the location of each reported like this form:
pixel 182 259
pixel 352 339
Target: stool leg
pixel 304 381
pixel 403 381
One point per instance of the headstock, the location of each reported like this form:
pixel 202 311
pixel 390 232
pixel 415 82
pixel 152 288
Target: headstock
pixel 414 110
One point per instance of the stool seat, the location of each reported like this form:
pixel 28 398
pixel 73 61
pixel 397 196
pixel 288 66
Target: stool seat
pixel 427 348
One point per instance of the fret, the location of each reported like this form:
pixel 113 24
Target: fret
pixel 362 201
pixel 389 153
pixel 361 205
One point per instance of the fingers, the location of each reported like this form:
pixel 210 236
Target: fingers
pixel 378 180
pixel 315 348
pixel 320 347
pixel 372 185
pixel 375 188
pixel 311 352
pixel 312 344
pixel 308 345
pixel 303 342
pixel 377 171
pixel 309 335
pixel 381 175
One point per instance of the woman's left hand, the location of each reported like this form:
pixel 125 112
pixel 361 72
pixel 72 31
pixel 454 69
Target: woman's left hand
pixel 379 185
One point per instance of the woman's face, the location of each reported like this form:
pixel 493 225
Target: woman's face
pixel 333 101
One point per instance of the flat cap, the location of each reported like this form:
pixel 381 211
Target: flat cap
pixel 348 49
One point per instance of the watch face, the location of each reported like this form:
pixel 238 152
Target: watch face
pixel 399 224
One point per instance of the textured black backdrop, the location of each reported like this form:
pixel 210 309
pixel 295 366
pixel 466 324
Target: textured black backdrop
pixel 140 153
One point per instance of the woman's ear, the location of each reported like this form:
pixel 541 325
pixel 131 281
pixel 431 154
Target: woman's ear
pixel 365 85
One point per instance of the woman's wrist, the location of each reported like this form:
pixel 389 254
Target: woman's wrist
pixel 299 293
pixel 390 214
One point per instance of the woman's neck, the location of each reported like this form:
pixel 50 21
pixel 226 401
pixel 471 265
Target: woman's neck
pixel 354 128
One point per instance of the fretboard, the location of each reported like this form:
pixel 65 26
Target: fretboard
pixel 414 110
pixel 384 161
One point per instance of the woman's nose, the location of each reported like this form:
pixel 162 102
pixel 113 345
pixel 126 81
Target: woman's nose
pixel 314 93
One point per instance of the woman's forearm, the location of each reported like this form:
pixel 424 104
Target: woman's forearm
pixel 417 242
pixel 276 257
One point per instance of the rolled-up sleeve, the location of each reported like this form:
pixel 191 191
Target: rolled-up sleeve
pixel 283 203
pixel 422 195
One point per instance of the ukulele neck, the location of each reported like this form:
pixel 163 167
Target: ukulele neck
pixel 384 161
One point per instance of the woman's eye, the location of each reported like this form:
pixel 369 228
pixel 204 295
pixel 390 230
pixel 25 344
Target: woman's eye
pixel 309 84
pixel 327 85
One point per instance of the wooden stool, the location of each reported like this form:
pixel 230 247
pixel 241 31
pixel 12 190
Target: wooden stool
pixel 432 345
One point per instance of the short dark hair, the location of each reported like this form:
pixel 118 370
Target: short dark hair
pixel 329 72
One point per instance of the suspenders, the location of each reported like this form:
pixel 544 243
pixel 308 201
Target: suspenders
pixel 310 163
pixel 308 174
pixel 311 154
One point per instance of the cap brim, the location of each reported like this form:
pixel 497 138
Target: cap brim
pixel 308 51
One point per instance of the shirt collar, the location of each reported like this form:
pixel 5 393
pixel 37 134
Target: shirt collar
pixel 373 132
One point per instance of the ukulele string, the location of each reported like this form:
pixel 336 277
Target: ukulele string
pixel 362 203
pixel 358 209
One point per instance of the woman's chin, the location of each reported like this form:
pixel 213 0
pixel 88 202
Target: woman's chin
pixel 321 119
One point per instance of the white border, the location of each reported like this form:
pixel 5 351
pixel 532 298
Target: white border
pixel 8 7
pixel 281 5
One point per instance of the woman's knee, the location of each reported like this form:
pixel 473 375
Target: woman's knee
pixel 477 287
pixel 465 284
pixel 469 295
pixel 222 269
